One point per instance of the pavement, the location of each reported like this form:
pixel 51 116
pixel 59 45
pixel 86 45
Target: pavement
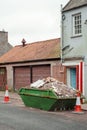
pixel 84 106
pixel 16 99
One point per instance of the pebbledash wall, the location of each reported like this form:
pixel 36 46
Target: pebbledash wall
pixel 85 77
pixel 20 75
pixel 74 52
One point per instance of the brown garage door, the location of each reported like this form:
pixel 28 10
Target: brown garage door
pixel 3 78
pixel 39 72
pixel 21 77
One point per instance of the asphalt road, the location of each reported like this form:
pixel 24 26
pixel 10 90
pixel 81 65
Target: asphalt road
pixel 22 118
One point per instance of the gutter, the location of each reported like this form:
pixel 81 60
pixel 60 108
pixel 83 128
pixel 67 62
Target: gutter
pixel 74 58
pixel 74 8
pixel 28 61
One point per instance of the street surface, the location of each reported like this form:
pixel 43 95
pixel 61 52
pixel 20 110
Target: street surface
pixel 19 117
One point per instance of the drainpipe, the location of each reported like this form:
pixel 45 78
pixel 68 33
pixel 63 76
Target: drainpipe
pixel 61 35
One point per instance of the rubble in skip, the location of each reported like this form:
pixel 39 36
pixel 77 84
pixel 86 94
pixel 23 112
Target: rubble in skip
pixel 55 94
pixel 61 90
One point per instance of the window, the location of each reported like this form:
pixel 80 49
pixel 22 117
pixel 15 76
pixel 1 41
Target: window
pixel 77 25
pixel 2 71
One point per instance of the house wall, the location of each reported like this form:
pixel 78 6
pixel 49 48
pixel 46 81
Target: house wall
pixel 78 45
pixel 85 80
pixel 58 72
pixel 9 69
pixel 4 45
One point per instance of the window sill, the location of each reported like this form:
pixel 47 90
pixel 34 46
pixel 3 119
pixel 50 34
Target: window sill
pixel 76 36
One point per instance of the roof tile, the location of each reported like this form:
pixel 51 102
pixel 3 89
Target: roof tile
pixel 34 51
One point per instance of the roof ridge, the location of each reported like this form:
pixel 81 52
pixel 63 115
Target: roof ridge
pixel 38 42
pixel 44 40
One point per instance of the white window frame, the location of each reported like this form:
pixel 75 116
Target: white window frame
pixel 77 24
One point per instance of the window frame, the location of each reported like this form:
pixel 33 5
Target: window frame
pixel 77 24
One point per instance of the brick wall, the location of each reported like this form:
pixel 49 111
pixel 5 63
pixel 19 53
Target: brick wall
pixel 58 72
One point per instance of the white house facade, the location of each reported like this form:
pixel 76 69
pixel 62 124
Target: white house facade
pixel 74 44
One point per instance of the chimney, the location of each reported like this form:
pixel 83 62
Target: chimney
pixel 3 37
pixel 23 42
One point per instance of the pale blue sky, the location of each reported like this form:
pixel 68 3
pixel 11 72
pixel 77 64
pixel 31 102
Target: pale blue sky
pixel 34 20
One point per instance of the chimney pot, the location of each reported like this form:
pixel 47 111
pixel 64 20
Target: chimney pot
pixel 23 42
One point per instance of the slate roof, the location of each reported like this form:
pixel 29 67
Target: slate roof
pixel 72 4
pixel 4 48
pixel 49 49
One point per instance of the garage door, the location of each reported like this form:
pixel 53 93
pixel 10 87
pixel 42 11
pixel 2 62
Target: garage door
pixel 21 77
pixel 3 78
pixel 39 72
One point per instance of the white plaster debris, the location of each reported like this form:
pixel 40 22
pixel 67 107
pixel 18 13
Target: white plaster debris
pixel 62 90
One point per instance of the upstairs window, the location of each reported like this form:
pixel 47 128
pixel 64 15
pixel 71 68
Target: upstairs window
pixel 77 25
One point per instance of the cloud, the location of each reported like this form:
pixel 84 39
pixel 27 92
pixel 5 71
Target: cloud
pixel 33 19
